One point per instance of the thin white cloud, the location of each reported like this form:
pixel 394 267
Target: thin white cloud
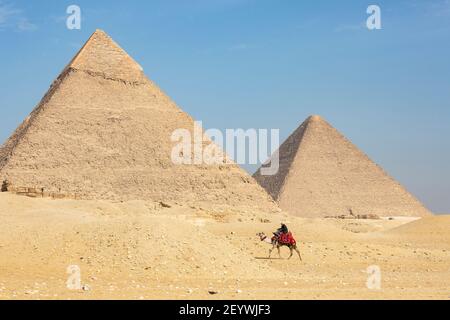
pixel 436 8
pixel 59 19
pixel 14 18
pixel 25 25
pixel 239 47
pixel 349 27
pixel 6 12
pixel 441 8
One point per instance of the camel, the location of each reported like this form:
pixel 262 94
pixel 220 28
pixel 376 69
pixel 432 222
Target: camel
pixel 277 244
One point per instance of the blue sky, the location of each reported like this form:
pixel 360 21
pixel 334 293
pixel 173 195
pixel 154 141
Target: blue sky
pixel 265 64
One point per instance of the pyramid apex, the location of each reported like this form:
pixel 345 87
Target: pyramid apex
pixel 99 33
pixel 101 55
pixel 315 117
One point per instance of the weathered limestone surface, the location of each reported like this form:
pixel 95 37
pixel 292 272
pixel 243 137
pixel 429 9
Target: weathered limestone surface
pixel 323 174
pixel 103 131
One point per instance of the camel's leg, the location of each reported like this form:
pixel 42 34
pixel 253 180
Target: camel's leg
pixel 290 256
pixel 279 254
pixel 298 252
pixel 270 251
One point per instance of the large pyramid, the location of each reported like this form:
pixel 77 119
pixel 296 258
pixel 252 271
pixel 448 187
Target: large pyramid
pixel 323 174
pixel 103 131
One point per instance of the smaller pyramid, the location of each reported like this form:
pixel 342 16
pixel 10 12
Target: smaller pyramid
pixel 323 174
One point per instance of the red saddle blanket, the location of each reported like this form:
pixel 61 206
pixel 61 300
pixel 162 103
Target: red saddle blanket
pixel 287 238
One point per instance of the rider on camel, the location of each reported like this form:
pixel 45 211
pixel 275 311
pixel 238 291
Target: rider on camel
pixel 282 230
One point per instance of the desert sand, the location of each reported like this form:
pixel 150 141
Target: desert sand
pixel 143 250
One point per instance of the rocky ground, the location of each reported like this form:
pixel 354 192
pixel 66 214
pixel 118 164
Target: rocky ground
pixel 143 250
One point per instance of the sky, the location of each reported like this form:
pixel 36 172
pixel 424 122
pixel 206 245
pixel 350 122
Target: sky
pixel 265 64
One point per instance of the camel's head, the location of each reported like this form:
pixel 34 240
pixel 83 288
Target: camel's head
pixel 261 235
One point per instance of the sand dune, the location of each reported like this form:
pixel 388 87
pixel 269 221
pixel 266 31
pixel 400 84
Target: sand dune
pixel 429 226
pixel 140 250
pixel 435 229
